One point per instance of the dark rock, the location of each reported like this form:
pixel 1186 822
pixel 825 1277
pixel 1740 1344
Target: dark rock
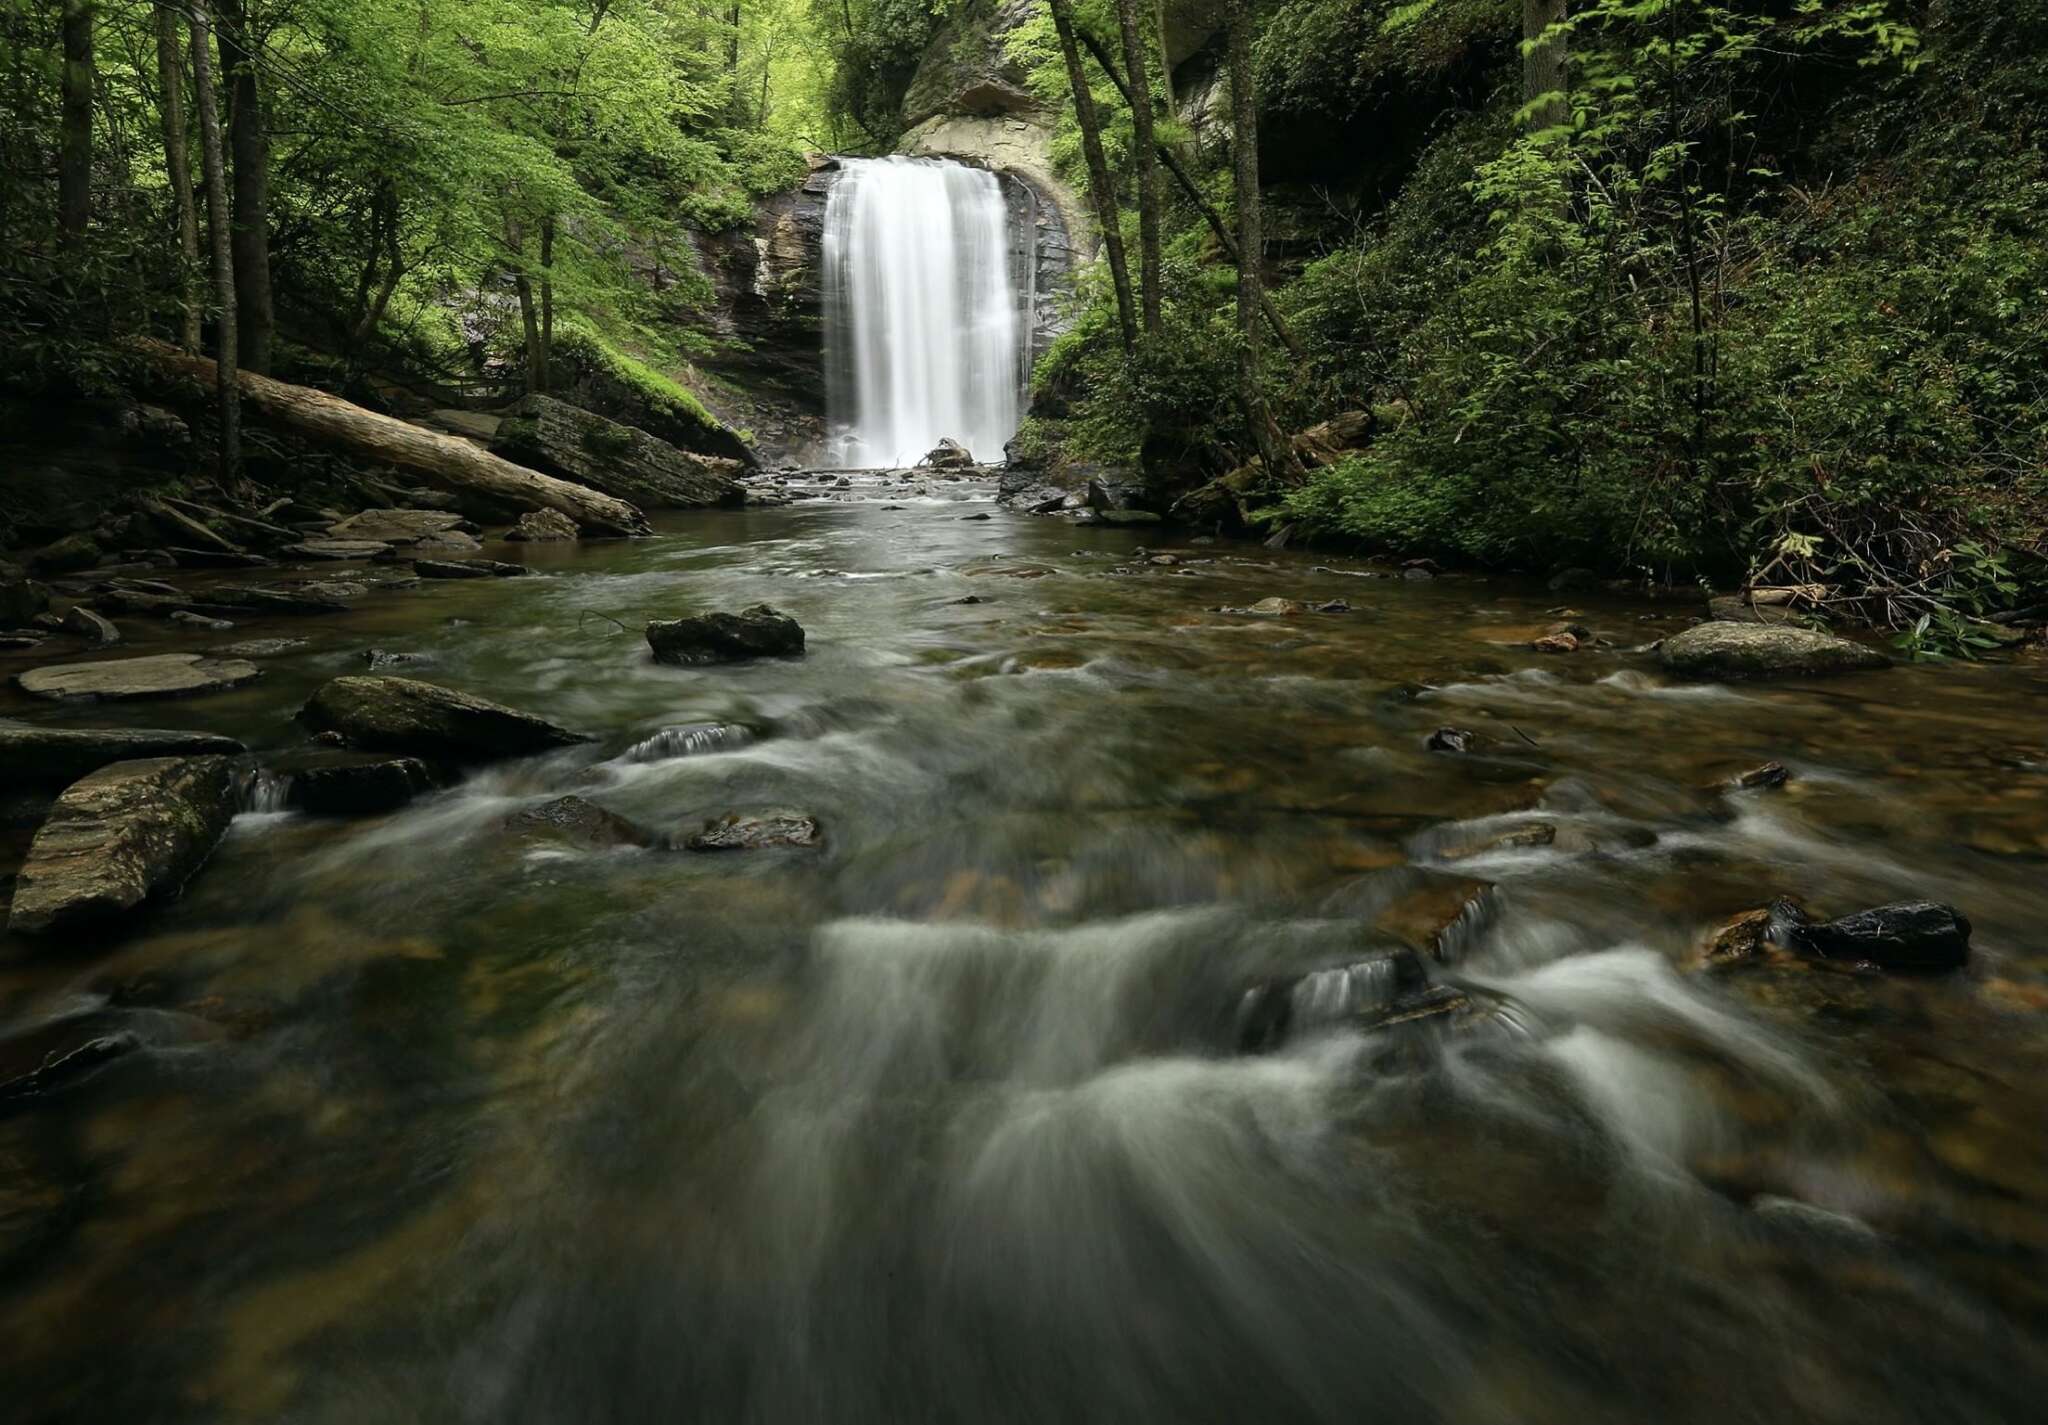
pixel 558 439
pixel 338 549
pixel 440 569
pixel 1518 838
pixel 216 559
pixel 582 824
pixel 20 601
pixel 67 555
pixel 1906 935
pixel 387 714
pixel 187 617
pixel 166 675
pixel 94 628
pixel 258 648
pixel 65 1068
pixel 1450 739
pixel 1741 650
pixel 537 526
pixel 974 599
pixel 128 833
pixel 58 756
pixel 47 622
pixel 1770 774
pixel 973 519
pixel 948 454
pixel 389 658
pixel 757 632
pixel 334 787
pixel 16 641
pixel 1417 572
pixel 1356 992
pixel 1750 935
pixel 734 832
pixel 309 600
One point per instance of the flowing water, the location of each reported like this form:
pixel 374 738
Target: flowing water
pixel 923 337
pixel 947 1120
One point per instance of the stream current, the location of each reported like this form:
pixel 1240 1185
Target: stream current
pixel 944 1121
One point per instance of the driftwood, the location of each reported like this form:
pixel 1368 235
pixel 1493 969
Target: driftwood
pixel 444 460
pixel 209 512
pixel 193 528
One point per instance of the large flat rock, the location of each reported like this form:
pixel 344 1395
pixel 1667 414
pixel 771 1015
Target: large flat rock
pixel 124 835
pixel 55 756
pixel 162 675
pixel 1748 650
pixel 441 529
pixel 386 714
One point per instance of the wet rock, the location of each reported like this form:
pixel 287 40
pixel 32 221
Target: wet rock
pixel 1562 641
pixel 63 1069
pixel 1906 935
pixel 1756 779
pixel 974 599
pixel 306 601
pixel 192 620
pixel 258 648
pixel 95 628
pixel 733 832
pixel 20 640
pixel 216 559
pixel 1451 739
pixel 974 519
pixel 66 556
pixel 1741 650
pixel 1333 606
pixel 1272 607
pixel 164 675
pixel 949 454
pixel 378 658
pixel 402 527
pixel 1417 572
pixel 388 714
pixel 1127 517
pixel 688 740
pixel 1441 914
pixel 357 788
pixel 58 756
pixel 338 549
pixel 583 824
pixel 124 835
pixel 1733 608
pixel 467 569
pixel 757 632
pixel 20 601
pixel 1750 935
pixel 536 526
pixel 1351 993
pixel 1520 838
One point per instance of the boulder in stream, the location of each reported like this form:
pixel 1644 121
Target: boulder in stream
pixel 337 785
pixel 1905 935
pixel 949 454
pixel 758 632
pixel 436 528
pixel 387 714
pixel 57 756
pixel 583 824
pixel 163 675
pixel 124 835
pixel 1748 650
pixel 95 628
pixel 540 526
pixel 733 832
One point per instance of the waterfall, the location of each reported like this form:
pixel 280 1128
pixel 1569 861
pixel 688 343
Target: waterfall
pixel 923 338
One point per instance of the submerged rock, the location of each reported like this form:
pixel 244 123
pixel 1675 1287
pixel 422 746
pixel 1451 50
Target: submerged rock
pixel 389 714
pixel 1756 779
pixel 582 823
pixel 163 675
pixel 358 788
pixel 1451 739
pixel 539 526
pixel 1750 935
pixel 126 834
pixel 467 569
pixel 57 756
pixel 61 1070
pixel 1906 935
pixel 758 632
pixel 1354 993
pixel 258 648
pixel 733 832
pixel 1747 650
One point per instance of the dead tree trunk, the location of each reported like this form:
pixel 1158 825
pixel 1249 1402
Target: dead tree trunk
pixel 1101 195
pixel 212 168
pixel 170 76
pixel 249 143
pixel 444 459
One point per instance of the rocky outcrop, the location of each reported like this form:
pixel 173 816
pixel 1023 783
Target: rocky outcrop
pixel 540 527
pixel 1748 650
pixel 559 439
pixel 124 835
pixel 386 714
pixel 166 675
pixel 57 756
pixel 758 632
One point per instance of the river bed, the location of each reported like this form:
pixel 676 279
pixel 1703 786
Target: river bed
pixel 944 1121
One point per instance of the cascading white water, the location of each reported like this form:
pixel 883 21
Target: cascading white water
pixel 923 340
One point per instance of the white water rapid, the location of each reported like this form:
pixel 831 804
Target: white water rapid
pixel 923 340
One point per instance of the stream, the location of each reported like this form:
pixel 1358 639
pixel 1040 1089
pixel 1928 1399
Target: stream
pixel 947 1120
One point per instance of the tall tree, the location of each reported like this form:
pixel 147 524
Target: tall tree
pixel 1251 239
pixel 1144 160
pixel 213 166
pixel 249 144
pixel 1543 61
pixel 1101 195
pixel 170 77
pixel 74 145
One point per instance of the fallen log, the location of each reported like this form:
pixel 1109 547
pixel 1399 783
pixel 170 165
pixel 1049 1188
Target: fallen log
pixel 445 460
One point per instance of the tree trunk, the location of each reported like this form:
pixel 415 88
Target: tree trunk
pixel 1101 195
pixel 529 316
pixel 249 142
pixel 74 141
pixel 1251 242
pixel 170 76
pixel 1138 67
pixel 1543 60
pixel 374 290
pixel 212 168
pixel 1193 193
pixel 444 459
pixel 547 301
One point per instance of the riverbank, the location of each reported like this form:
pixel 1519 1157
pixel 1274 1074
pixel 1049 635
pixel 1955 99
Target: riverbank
pixel 439 1111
